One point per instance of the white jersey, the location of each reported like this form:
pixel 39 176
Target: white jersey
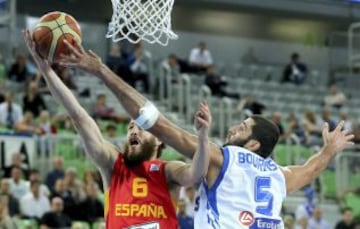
pixel 247 194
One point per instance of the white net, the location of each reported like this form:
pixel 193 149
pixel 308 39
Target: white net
pixel 135 20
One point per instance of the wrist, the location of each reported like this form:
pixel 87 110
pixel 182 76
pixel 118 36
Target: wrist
pixel 327 151
pixel 101 70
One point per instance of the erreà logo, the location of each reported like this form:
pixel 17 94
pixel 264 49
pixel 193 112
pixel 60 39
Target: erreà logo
pixel 246 218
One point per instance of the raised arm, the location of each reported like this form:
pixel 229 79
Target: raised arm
pixel 181 140
pixel 190 174
pixel 102 153
pixel 334 142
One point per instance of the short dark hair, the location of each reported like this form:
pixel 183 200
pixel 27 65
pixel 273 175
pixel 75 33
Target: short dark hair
pixel 295 56
pixel 345 209
pixel 267 133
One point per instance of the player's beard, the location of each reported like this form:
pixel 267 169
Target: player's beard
pixel 237 142
pixel 146 152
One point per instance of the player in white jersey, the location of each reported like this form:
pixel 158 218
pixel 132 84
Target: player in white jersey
pixel 244 188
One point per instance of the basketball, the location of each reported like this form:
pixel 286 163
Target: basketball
pixel 51 31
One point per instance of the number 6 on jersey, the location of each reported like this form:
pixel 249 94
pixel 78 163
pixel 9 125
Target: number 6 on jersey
pixel 139 187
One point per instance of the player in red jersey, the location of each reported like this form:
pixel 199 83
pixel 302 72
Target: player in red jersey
pixel 142 190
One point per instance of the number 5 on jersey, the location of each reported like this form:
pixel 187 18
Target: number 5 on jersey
pixel 139 187
pixel 263 196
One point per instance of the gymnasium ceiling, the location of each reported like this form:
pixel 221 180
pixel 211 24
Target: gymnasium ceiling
pixel 95 10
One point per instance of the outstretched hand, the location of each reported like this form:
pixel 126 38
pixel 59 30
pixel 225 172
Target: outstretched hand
pixel 203 119
pixel 79 58
pixel 337 140
pixel 42 63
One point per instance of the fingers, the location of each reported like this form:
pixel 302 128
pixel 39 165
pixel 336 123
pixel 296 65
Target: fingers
pixel 73 49
pixel 93 54
pixel 202 121
pixel 349 137
pixel 325 129
pixel 340 126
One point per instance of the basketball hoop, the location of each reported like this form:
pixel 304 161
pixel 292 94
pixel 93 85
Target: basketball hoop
pixel 136 20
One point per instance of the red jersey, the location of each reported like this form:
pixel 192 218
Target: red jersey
pixel 139 197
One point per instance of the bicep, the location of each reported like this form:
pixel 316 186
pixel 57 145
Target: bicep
pixel 296 177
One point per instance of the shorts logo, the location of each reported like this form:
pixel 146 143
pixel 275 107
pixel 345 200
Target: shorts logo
pixel 246 218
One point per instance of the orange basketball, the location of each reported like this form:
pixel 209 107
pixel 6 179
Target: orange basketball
pixel 51 31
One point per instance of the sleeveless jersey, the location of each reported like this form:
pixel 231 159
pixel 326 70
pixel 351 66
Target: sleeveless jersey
pixel 247 194
pixel 139 197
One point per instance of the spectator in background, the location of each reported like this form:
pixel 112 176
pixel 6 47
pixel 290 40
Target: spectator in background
pixel 289 222
pixel 35 176
pixel 62 192
pixel 112 136
pixel 171 66
pixel 294 128
pixel 295 72
pixel 250 106
pixel 28 125
pixel 139 63
pixel 66 77
pixel 356 132
pixel 347 221
pixel 317 221
pixel 116 61
pixel 45 123
pixel 335 97
pixel 33 101
pixel 102 111
pixel 326 117
pixel 276 118
pixel 18 187
pixel 10 112
pixel 94 207
pixel 56 218
pixel 185 221
pixel 348 124
pixel 306 209
pixel 6 222
pixel 56 173
pixel 16 161
pixel 13 203
pixel 200 57
pixel 313 128
pixel 74 184
pixel 302 223
pixel 33 204
pixel 217 84
pixel 18 72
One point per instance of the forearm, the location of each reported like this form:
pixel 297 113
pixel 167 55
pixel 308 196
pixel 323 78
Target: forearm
pixel 64 95
pixel 200 162
pixel 131 100
pixel 301 175
pixel 318 162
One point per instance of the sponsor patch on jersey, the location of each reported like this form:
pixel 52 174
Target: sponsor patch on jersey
pixel 265 223
pixel 153 225
pixel 246 218
pixel 154 167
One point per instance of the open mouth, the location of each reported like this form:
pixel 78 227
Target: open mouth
pixel 134 142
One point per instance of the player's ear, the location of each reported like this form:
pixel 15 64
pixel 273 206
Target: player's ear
pixel 253 145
